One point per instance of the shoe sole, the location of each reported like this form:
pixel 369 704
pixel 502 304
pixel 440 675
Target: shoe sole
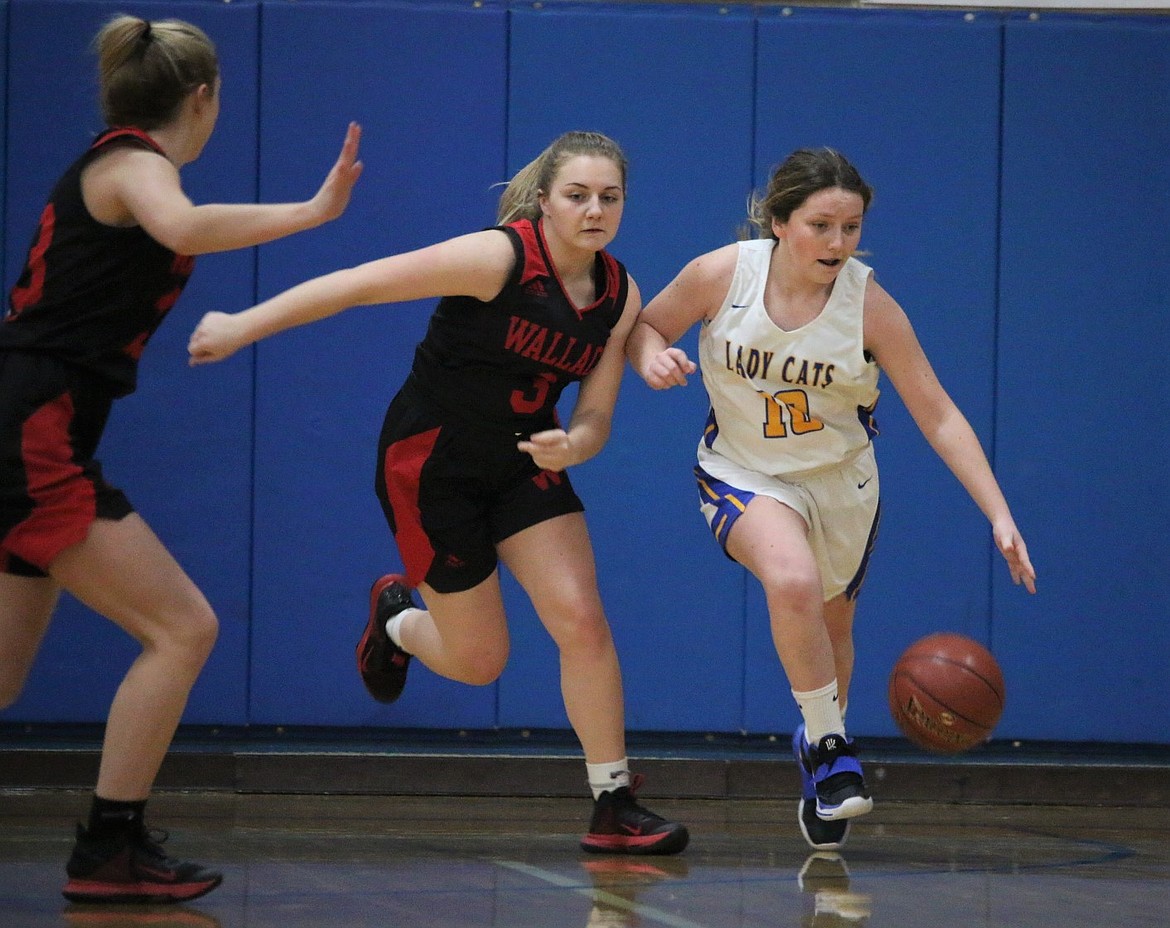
pixel 672 842
pixel 850 808
pixel 100 891
pixel 832 845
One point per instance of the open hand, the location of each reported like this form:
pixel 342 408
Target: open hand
pixel 333 197
pixel 1011 546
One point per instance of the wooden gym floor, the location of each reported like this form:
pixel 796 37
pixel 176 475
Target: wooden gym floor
pixel 471 831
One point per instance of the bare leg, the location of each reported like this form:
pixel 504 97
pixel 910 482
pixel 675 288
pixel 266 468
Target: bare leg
pixel 462 636
pixel 771 541
pixel 839 621
pixel 122 571
pixel 553 561
pixel 26 606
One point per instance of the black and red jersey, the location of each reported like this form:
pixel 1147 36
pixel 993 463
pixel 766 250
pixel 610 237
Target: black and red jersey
pixel 506 361
pixel 92 294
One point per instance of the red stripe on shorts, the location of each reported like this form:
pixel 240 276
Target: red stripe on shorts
pixel 402 470
pixel 64 502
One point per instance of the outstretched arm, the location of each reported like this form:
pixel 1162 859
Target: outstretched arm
pixel 890 337
pixel 471 265
pixel 133 186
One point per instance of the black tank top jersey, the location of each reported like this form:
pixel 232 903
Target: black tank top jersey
pixel 506 362
pixel 92 294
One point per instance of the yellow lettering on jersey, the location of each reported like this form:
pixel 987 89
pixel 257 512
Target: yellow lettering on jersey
pixel 792 405
pixel 806 373
pixel 748 363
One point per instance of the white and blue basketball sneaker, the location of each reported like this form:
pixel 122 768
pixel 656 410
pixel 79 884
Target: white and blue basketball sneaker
pixel 820 835
pixel 836 774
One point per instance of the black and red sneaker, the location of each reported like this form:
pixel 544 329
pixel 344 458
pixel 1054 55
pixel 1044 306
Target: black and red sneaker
pixel 380 661
pixel 621 826
pixel 133 868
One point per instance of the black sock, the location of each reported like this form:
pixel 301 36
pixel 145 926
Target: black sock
pixel 110 818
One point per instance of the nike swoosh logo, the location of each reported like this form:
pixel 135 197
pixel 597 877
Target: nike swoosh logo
pixel 632 830
pixel 740 305
pixel 861 486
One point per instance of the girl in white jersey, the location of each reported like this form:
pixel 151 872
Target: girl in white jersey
pixel 794 333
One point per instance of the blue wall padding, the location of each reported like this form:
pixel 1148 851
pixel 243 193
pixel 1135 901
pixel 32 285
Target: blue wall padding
pixel 1021 182
pixel 1082 375
pixel 684 123
pixel 428 85
pixel 181 447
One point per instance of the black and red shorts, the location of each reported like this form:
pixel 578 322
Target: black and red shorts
pixel 51 487
pixel 452 491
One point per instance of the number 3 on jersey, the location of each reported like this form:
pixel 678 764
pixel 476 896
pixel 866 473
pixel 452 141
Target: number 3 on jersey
pixel 793 406
pixel 525 404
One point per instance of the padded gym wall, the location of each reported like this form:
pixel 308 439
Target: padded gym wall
pixel 1082 385
pixel 1020 189
pixel 687 133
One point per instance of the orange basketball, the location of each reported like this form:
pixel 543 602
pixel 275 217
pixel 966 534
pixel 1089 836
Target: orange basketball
pixel 946 693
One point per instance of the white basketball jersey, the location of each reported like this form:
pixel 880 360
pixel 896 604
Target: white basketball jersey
pixel 786 404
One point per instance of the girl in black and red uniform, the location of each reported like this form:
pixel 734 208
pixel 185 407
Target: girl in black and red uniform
pixel 472 460
pixel 110 256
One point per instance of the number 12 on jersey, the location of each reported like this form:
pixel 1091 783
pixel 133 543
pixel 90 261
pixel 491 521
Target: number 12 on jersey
pixel 790 405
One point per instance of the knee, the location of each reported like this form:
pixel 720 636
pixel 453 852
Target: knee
pixel 483 666
pixel 190 635
pixel 793 591
pixel 479 672
pixel 201 634
pixel 583 630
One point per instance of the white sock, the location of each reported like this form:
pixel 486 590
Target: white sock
pixel 605 777
pixel 822 715
pixel 394 626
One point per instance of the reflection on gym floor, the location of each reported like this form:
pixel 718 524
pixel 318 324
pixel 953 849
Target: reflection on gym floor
pixel 320 861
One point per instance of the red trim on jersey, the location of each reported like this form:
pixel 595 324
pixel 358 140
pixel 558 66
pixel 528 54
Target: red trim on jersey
pixel 123 132
pixel 65 504
pixel 534 264
pixel 24 297
pixel 536 250
pixel 402 470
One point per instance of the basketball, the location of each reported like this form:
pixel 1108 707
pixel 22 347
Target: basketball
pixel 946 693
